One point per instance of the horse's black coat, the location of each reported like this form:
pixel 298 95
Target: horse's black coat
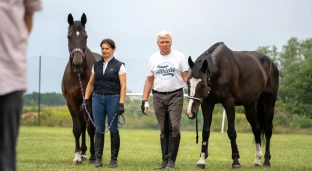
pixel 236 78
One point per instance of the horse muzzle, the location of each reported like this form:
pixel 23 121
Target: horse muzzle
pixel 78 67
pixel 191 116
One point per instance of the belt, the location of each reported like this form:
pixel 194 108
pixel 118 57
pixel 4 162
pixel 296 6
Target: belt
pixel 158 92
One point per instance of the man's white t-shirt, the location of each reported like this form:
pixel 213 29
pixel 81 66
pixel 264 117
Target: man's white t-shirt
pixel 167 71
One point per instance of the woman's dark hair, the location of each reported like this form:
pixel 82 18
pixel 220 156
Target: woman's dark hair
pixel 109 42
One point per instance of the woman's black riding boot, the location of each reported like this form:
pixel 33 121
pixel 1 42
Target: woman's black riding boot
pixel 99 144
pixel 164 150
pixel 115 145
pixel 174 143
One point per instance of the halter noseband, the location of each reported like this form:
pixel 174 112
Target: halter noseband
pixel 78 50
pixel 195 98
pixel 201 99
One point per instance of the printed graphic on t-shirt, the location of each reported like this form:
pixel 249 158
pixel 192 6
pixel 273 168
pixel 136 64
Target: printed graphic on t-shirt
pixel 165 70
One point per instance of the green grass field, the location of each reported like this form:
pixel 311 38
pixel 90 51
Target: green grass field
pixel 52 149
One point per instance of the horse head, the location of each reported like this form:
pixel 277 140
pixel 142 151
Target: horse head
pixel 198 84
pixel 77 42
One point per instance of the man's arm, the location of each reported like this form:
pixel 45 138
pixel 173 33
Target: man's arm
pixel 28 18
pixel 185 76
pixel 148 87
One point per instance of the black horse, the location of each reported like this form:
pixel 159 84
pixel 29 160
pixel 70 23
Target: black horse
pixel 75 80
pixel 233 78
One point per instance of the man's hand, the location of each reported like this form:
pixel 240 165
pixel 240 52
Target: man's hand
pixel 86 101
pixel 145 107
pixel 121 109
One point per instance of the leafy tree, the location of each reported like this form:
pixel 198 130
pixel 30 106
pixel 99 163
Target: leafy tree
pixel 294 63
pixel 270 52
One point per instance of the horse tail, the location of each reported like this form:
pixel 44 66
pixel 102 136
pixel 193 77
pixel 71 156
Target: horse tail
pixel 261 118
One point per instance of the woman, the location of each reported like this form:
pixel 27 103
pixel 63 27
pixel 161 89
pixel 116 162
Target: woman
pixel 108 84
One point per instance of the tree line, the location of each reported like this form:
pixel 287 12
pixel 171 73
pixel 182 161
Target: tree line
pixel 49 99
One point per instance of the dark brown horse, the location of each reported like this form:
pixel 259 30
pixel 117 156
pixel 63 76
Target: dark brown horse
pixel 75 80
pixel 233 78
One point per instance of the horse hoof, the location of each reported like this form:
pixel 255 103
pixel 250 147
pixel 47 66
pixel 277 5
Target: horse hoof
pixel 83 158
pixel 91 161
pixel 257 165
pixel 236 166
pixel 266 164
pixel 77 162
pixel 201 166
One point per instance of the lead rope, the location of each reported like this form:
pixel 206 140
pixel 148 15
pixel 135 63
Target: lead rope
pixel 196 130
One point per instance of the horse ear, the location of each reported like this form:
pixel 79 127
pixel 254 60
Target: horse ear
pixel 83 19
pixel 204 66
pixel 190 62
pixel 70 19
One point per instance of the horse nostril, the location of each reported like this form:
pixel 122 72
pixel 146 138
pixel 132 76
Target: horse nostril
pixel 73 65
pixel 194 115
pixel 78 65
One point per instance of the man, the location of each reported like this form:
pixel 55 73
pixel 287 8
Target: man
pixel 167 73
pixel 16 23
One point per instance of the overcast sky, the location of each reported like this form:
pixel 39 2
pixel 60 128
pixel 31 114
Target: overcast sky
pixel 133 25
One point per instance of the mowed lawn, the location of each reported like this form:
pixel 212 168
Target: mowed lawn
pixel 52 149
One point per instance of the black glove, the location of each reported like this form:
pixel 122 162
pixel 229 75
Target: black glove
pixel 121 109
pixel 87 105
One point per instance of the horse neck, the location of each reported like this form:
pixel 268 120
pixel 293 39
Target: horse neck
pixel 89 61
pixel 223 58
pixel 212 65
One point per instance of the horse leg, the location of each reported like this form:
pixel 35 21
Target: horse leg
pixel 251 115
pixel 230 113
pixel 77 132
pixel 268 127
pixel 207 116
pixel 83 141
pixel 91 132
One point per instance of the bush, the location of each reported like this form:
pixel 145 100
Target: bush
pixel 301 122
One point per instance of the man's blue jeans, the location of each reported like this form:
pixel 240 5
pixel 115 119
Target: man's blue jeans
pixel 102 106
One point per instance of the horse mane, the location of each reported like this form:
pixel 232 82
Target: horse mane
pixel 199 61
pixel 212 55
pixel 219 49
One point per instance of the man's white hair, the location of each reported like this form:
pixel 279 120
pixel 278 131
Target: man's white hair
pixel 164 34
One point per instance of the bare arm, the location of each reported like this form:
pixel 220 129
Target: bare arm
pixel 89 88
pixel 123 87
pixel 148 87
pixel 28 18
pixel 185 76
